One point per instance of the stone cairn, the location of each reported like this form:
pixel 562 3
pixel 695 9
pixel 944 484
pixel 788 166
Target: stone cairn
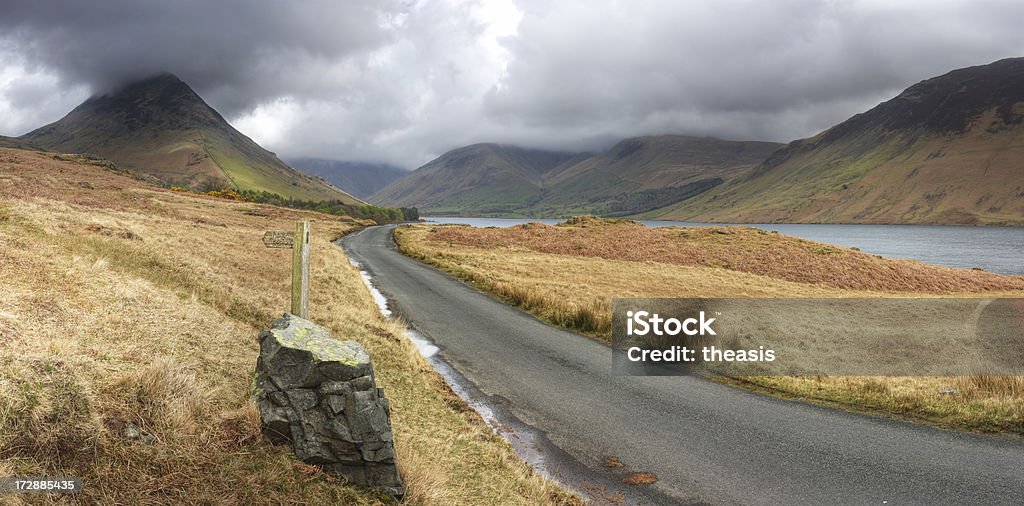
pixel 318 393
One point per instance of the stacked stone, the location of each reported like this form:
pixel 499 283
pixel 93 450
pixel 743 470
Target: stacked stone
pixel 318 393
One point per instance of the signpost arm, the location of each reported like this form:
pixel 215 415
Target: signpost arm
pixel 300 270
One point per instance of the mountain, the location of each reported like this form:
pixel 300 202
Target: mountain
pixel 645 173
pixel 361 179
pixel 476 179
pixel 947 150
pixel 635 175
pixel 14 142
pixel 160 127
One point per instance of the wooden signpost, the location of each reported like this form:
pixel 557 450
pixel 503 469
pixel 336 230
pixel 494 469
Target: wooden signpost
pixel 299 244
pixel 278 239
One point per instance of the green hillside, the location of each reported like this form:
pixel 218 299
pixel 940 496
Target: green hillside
pixel 159 127
pixel 948 150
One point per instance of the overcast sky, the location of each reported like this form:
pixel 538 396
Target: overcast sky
pixel 404 81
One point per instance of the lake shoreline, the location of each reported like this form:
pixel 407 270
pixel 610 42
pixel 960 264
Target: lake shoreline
pixel 994 249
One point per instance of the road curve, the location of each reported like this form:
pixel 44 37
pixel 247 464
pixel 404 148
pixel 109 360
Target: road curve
pixel 706 442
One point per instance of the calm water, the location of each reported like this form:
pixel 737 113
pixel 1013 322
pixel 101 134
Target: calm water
pixel 993 249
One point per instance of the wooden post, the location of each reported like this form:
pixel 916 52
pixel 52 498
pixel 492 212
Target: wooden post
pixel 299 243
pixel 300 270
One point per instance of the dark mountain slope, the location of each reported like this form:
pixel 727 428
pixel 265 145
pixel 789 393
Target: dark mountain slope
pixel 645 173
pixel 14 142
pixel 947 150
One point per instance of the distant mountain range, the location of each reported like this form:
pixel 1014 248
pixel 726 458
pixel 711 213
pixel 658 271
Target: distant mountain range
pixel 361 179
pixel 947 150
pixel 634 176
pixel 478 179
pixel 161 128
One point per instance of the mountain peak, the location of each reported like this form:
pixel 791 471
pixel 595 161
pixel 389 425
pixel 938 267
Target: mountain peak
pixel 163 100
pixel 160 83
pixel 150 87
pixel 160 127
pixel 162 79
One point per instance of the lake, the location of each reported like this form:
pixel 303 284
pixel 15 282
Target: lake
pixel 995 249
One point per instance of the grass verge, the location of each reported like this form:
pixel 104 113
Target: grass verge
pixel 128 339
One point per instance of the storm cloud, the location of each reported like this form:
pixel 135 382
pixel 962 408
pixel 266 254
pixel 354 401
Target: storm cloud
pixel 402 81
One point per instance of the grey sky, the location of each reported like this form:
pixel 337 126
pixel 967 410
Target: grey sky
pixel 403 81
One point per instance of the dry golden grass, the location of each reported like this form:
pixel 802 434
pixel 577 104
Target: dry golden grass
pixel 568 276
pixel 742 249
pixel 577 292
pixel 128 307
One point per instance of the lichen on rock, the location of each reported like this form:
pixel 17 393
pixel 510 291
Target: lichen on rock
pixel 319 394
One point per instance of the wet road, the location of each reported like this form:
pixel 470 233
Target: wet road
pixel 706 442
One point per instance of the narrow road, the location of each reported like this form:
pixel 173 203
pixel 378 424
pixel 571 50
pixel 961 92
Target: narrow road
pixel 706 442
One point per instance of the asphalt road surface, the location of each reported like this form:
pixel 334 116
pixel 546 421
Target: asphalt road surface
pixel 705 442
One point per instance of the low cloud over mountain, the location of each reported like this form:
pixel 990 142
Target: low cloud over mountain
pixel 402 82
